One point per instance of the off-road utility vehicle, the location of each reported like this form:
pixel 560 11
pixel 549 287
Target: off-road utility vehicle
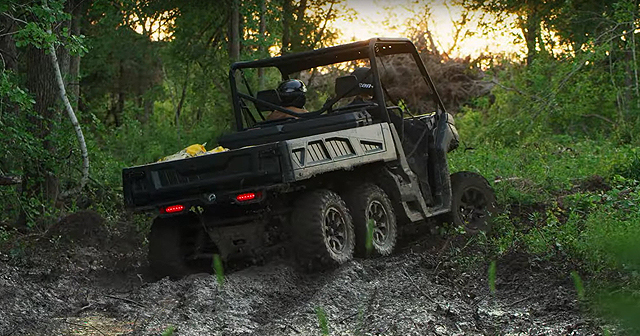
pixel 325 183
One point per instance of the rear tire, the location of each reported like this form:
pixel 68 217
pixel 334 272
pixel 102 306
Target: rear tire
pixel 473 202
pixel 322 230
pixel 168 247
pixel 369 201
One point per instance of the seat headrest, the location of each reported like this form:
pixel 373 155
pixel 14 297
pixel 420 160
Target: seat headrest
pixel 270 96
pixel 350 83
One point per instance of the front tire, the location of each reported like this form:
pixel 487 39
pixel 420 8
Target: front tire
pixel 473 202
pixel 322 230
pixel 369 202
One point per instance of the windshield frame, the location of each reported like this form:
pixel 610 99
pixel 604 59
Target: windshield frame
pixel 290 63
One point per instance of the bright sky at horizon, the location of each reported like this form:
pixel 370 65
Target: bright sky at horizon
pixel 388 18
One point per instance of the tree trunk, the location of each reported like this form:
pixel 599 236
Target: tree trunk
pixel 531 31
pixel 73 119
pixel 8 59
pixel 320 34
pixel 234 32
pixel 118 106
pixel 39 180
pixel 181 102
pixel 297 37
pixel 287 13
pixel 74 64
pixel 148 109
pixel 262 31
pixel 7 44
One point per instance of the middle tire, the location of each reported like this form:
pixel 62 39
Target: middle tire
pixel 369 202
pixel 322 230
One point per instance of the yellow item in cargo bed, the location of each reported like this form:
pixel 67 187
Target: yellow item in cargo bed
pixel 192 151
pixel 218 150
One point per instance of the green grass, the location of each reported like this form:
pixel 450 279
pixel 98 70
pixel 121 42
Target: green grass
pixel 571 200
pixel 535 171
pixel 322 321
pixel 218 269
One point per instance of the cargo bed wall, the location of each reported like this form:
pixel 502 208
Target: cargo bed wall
pixel 344 149
pixel 155 183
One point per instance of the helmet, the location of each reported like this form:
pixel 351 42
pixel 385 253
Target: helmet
pixel 292 93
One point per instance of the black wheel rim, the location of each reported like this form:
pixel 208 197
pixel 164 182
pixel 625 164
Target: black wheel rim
pixel 473 208
pixel 377 212
pixel 335 230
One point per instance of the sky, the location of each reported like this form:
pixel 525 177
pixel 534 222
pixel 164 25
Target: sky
pixel 371 14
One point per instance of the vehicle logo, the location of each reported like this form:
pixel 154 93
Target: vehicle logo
pixel 211 197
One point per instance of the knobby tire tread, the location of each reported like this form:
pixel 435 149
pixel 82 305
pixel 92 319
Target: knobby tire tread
pixel 307 221
pixel 358 200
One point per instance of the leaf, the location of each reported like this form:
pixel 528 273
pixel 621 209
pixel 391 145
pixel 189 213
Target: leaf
pixel 218 269
pixel 577 282
pixel 169 331
pixel 492 277
pixel 322 320
pixel 369 240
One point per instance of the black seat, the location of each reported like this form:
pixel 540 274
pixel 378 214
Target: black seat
pixel 296 128
pixel 350 87
pixel 270 96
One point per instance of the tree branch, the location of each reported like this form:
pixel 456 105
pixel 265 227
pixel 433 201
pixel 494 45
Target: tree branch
pixel 74 121
pixel 9 180
pixel 14 18
pixel 593 115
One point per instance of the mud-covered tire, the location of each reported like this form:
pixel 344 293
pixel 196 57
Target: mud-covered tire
pixel 167 247
pixel 370 201
pixel 473 202
pixel 322 230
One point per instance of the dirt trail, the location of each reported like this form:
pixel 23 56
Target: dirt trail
pixel 99 290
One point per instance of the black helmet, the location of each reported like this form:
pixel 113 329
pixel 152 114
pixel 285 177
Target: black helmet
pixel 292 93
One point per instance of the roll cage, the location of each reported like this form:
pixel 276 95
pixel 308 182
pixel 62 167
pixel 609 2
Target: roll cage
pixel 292 63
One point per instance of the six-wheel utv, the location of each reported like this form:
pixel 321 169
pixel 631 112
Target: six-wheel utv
pixel 329 183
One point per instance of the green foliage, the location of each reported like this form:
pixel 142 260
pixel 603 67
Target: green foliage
pixel 491 276
pixel 577 283
pixel 38 31
pixel 534 171
pixel 577 208
pixel 13 93
pixel 218 269
pixel 631 169
pixel 620 306
pixel 369 240
pixel 169 331
pixel 322 320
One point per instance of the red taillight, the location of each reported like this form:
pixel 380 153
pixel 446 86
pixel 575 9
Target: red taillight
pixel 172 209
pixel 248 196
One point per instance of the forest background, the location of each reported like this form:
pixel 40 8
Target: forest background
pixel 551 118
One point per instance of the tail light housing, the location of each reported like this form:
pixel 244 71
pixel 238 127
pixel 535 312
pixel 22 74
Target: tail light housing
pixel 248 196
pixel 172 209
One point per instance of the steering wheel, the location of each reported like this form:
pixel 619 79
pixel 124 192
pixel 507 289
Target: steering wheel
pixel 353 107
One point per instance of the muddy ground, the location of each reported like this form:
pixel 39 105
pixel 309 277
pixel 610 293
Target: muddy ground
pixel 85 279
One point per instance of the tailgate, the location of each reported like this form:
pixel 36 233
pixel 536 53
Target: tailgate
pixel 149 185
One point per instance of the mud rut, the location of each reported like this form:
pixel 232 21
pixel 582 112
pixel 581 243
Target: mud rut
pixel 102 288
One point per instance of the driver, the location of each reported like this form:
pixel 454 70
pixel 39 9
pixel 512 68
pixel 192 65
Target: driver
pixel 292 97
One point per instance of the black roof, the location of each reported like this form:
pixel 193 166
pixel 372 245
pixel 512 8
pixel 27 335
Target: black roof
pixel 294 62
